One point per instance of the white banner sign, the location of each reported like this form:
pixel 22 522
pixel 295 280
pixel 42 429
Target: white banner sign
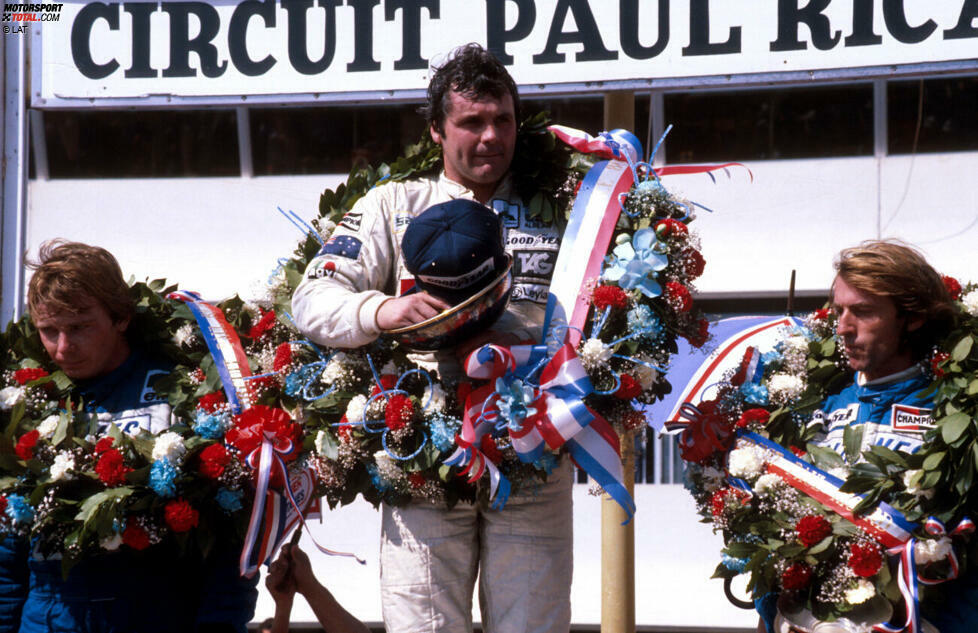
pixel 374 49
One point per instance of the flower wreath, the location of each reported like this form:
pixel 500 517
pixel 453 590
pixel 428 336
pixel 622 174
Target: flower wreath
pixel 75 493
pixel 830 549
pixel 365 421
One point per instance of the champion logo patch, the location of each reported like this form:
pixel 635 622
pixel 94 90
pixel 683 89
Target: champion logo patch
pixel 912 419
pixel 352 221
pixel 342 245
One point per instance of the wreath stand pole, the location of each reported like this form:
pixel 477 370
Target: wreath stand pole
pixel 617 540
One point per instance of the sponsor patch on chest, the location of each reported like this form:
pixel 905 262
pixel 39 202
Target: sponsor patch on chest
pixel 911 419
pixel 352 221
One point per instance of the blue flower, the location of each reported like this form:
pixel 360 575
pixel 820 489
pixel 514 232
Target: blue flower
pixel 754 393
pixel 642 319
pixel 229 500
pixel 294 383
pixel 515 400
pixel 443 430
pixel 211 426
pixel 379 482
pixel 734 564
pixel 19 510
pixel 162 477
pixel 635 264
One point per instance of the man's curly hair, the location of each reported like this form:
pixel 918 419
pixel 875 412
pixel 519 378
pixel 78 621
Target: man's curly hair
pixel 472 72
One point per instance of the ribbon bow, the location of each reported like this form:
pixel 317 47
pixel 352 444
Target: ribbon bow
pixel 550 412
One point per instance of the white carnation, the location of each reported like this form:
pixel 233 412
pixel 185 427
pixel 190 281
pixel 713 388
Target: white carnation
pixel 645 375
pixel 321 443
pixel 745 463
pixel 797 344
pixel 111 543
pixel 768 483
pixel 336 369
pixel 863 591
pixel 185 335
pixel 48 425
pixel 9 396
pixel 594 353
pixel 911 481
pixel 354 409
pixel 63 462
pixel 932 550
pixel 970 302
pixel 784 387
pixel 169 446
pixel 388 369
pixel 434 399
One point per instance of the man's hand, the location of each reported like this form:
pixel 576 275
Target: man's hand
pixel 408 310
pixel 280 581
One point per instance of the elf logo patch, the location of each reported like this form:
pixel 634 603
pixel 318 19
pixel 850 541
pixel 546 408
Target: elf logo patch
pixel 352 221
pixel 912 419
pixel 149 394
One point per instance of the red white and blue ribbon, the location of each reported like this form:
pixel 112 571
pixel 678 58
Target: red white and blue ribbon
pixel 224 345
pixel 884 523
pixel 274 514
pixel 558 418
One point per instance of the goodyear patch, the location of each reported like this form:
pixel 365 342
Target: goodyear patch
pixel 343 246
pixel 911 419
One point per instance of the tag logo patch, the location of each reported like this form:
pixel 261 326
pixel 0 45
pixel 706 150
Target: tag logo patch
pixel 535 265
pixel 352 221
pixel 911 419
pixel 343 246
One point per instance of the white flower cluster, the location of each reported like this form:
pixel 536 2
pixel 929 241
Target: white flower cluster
pixel 645 375
pixel 746 463
pixel 434 399
pixel 783 387
pixel 186 335
pixel 970 302
pixel 932 550
pixel 10 396
pixel 169 446
pixel 863 591
pixel 911 481
pixel 795 354
pixel 768 485
pixel 48 426
pixel 340 371
pixel 63 462
pixel 354 409
pixel 594 353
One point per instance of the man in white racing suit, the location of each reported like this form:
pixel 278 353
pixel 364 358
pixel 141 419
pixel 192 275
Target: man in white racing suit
pixel 355 288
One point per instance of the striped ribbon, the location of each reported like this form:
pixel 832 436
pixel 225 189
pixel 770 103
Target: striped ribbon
pixel 224 345
pixel 558 418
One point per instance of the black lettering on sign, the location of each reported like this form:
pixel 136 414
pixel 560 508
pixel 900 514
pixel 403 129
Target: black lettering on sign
pixel 298 53
pixel 363 36
pixel 862 25
pixel 411 58
pixel 140 12
pixel 791 16
pixel 699 33
pixel 587 34
pixel 497 35
pixel 238 33
pixel 896 23
pixel 181 44
pixel 628 21
pixel 964 29
pixel 81 33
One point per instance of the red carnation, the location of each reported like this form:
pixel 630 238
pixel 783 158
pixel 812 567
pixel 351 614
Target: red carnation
pixel 103 445
pixel 135 536
pixel 111 469
pixel 258 385
pixel 265 323
pixel 399 412
pixel 343 430
pixel 283 357
pixel 693 263
pixel 936 361
pixel 756 416
pixel 797 576
pixel 180 515
pixel 416 480
pixel 628 389
pixel 26 443
pixel 3 504
pixel 211 402
pixel 821 314
pixel 213 460
pixel 669 227
pixel 811 529
pixel 609 296
pixel 252 425
pixel 952 285
pixel 724 496
pixel 490 449
pixel 29 374
pixel 865 559
pixel 387 382
pixel 702 334
pixel 678 296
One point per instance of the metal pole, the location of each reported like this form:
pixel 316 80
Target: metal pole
pixel 13 179
pixel 617 540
